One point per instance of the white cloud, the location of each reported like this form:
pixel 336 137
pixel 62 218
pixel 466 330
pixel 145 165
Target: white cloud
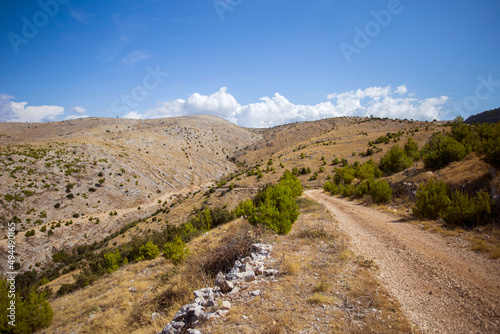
pixel 276 110
pixel 136 56
pixel 133 115
pixel 19 111
pixel 70 117
pixel 402 89
pixel 78 109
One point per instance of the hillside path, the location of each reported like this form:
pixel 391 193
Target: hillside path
pixel 442 286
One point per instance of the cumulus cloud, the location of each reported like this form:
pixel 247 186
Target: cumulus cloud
pixel 276 110
pixel 11 111
pixel 133 115
pixel 70 117
pixel 78 109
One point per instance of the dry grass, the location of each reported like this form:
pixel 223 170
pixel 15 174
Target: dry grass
pixel 489 247
pixel 325 288
pixel 125 300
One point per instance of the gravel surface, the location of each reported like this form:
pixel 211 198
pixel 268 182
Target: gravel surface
pixel 442 285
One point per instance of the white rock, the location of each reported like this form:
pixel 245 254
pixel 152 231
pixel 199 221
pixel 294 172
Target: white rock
pixel 226 305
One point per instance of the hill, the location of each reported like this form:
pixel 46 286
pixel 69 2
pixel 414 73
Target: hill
pixel 67 177
pixel 488 116
pixel 100 258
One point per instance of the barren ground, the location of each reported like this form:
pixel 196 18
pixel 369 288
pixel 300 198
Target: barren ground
pixel 442 285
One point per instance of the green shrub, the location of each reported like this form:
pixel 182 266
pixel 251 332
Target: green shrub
pixel 490 142
pixel 32 312
pixel 112 261
pixel 441 150
pixel 380 191
pixel 245 208
pixel 432 200
pixel 468 212
pixel 278 211
pixel 176 250
pixel 395 160
pixel 60 256
pixel 331 187
pixel 30 233
pixel 411 149
pixel 291 181
pixel 344 175
pixel 148 251
pixel 219 216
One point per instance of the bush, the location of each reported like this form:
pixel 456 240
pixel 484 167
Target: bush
pixel 176 250
pixel 278 211
pixel 148 251
pixel 468 212
pixel 291 181
pixel 441 150
pixel 29 233
pixel 432 200
pixel 112 261
pixel 60 256
pixel 32 312
pixel 411 149
pixel 331 187
pixel 380 191
pixel 490 139
pixel 395 160
pixel 220 216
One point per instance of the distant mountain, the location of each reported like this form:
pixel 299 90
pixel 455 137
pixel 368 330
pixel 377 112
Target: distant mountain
pixel 489 116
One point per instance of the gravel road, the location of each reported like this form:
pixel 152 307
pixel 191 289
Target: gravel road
pixel 442 286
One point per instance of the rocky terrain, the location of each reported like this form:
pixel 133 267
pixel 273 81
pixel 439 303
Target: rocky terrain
pixel 77 181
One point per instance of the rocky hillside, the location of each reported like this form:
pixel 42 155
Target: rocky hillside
pixel 77 181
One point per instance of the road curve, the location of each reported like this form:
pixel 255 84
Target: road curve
pixel 442 286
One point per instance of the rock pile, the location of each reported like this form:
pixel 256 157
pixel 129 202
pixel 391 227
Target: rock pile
pixel 211 303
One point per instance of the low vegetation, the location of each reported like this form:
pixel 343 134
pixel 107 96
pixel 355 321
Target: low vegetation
pixel 436 200
pixel 274 206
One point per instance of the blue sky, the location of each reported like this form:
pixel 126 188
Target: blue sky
pixel 255 63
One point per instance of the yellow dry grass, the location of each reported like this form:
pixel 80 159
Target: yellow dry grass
pixel 324 287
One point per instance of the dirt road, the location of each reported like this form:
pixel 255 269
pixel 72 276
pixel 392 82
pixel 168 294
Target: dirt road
pixel 442 286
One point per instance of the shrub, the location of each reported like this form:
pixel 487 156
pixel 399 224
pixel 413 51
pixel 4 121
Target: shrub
pixel 395 160
pixel 468 212
pixel 278 210
pixel 60 256
pixel 432 200
pixel 176 250
pixel 30 233
pixel 331 187
pixel 411 149
pixel 274 206
pixel 291 181
pixel 490 139
pixel 441 150
pixel 344 175
pixel 112 261
pixel 380 191
pixel 32 312
pixel 220 216
pixel 148 251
